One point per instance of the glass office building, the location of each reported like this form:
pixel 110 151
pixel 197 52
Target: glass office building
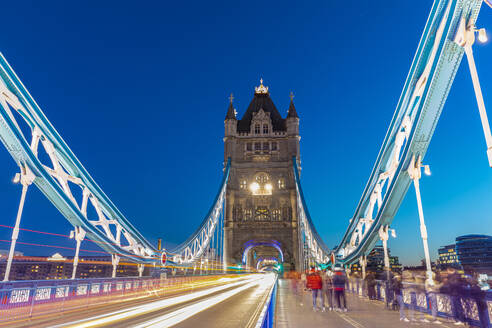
pixel 475 253
pixel 447 257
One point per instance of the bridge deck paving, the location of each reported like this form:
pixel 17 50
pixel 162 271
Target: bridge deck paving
pixel 362 313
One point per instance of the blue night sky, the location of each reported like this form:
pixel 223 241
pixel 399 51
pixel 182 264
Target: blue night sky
pixel 139 92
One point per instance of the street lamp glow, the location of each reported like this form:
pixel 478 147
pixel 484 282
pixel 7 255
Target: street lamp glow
pixel 482 35
pixel 254 187
pixel 427 170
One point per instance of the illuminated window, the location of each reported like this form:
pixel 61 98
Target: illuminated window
pixel 261 178
pixel 257 129
pixel 248 213
pixel 276 214
pixel 281 183
pixel 261 185
pixel 243 184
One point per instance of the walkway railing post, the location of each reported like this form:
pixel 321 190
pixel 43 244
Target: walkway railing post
pixel 465 37
pixel 383 235
pixel 26 177
pixel 363 264
pixel 415 173
pixel 79 235
pixel 115 259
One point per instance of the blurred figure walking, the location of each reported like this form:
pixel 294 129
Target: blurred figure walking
pixel 301 288
pixel 315 283
pixel 328 289
pixel 339 281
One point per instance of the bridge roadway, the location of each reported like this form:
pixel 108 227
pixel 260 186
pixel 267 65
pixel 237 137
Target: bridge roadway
pixel 362 313
pixel 235 304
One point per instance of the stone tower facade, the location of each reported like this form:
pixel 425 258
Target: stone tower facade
pixel 261 203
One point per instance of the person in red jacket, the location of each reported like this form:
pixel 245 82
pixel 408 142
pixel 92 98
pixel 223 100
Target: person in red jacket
pixel 315 283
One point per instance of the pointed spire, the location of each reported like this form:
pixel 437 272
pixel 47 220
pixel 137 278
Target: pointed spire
pixel 231 112
pixel 292 109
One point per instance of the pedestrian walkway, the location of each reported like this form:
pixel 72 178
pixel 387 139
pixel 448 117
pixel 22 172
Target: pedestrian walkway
pixel 362 313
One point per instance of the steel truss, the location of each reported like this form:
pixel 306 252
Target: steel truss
pixel 195 246
pixel 61 173
pixel 312 246
pixel 424 94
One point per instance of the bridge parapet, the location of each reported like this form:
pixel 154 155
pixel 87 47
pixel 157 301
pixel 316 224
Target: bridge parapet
pixel 474 304
pixel 26 299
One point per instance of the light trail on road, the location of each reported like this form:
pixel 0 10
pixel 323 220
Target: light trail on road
pixel 140 312
pixel 173 318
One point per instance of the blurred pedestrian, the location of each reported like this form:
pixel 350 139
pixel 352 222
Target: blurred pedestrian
pixel 388 291
pixel 371 285
pixel 328 289
pixel 477 293
pixel 315 283
pixel 302 288
pixel 454 287
pixel 432 287
pixel 397 287
pixel 339 281
pixel 408 280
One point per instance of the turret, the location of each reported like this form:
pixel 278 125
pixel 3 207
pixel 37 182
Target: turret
pixel 292 123
pixel 292 119
pixel 230 131
pixel 230 122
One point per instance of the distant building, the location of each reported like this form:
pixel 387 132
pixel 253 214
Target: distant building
pixel 59 267
pixel 375 261
pixel 5 253
pixel 475 253
pixel 447 257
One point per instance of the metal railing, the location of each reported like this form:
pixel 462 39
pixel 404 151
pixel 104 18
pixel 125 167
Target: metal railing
pixel 415 297
pixel 28 299
pixel 267 315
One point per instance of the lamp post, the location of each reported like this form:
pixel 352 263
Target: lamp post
pixel 363 264
pixel 25 177
pixel 465 37
pixel 415 173
pixel 79 235
pixel 115 259
pixel 384 236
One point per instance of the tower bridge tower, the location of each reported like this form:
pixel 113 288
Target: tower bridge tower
pixel 261 209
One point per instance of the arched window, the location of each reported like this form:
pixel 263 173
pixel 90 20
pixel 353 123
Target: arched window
pixel 248 213
pixel 281 183
pixel 257 129
pixel 276 214
pixel 265 128
pixel 261 184
pixel 262 178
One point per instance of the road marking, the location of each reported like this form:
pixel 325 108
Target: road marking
pixel 175 317
pixel 108 318
pixel 350 320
